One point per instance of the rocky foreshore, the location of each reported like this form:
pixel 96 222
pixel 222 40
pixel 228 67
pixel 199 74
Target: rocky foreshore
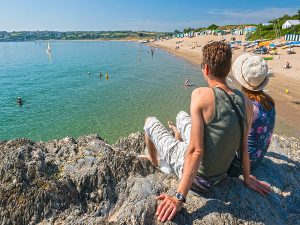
pixel 87 181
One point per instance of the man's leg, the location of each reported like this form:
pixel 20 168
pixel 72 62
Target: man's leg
pixel 163 147
pixel 184 124
pixel 152 150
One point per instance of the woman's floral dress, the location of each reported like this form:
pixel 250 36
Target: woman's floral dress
pixel 260 132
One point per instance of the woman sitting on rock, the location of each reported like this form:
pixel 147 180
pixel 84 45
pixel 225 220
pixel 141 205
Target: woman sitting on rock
pixel 251 72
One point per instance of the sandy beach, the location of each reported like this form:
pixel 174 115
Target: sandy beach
pixel 284 84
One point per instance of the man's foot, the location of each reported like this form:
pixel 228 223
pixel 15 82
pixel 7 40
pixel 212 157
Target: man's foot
pixel 146 158
pixel 174 130
pixel 143 157
pixel 162 166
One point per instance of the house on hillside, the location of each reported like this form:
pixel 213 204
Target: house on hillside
pixel 290 23
pixel 267 24
pixel 249 29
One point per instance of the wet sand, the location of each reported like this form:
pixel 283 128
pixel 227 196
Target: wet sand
pixel 287 102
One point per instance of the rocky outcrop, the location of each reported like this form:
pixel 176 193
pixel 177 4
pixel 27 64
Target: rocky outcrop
pixel 87 181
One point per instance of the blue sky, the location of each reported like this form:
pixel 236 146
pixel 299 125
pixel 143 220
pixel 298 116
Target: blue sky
pixel 155 15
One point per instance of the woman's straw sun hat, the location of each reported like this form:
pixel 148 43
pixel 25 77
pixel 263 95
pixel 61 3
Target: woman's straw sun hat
pixel 251 71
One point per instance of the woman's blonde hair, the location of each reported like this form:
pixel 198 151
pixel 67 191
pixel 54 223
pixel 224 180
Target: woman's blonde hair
pixel 261 97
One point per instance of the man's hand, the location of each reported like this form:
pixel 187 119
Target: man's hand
pixel 258 186
pixel 168 207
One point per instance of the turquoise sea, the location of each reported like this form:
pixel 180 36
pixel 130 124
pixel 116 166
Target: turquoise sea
pixel 61 99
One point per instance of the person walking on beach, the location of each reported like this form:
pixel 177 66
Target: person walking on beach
pixel 209 139
pixel 251 71
pixel 287 65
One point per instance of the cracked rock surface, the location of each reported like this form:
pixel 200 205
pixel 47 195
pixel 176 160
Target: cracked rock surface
pixel 87 181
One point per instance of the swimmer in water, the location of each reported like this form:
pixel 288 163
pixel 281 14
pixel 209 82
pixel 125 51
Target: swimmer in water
pixel 152 52
pixel 106 76
pixel 100 75
pixel 89 73
pixel 19 101
pixel 187 82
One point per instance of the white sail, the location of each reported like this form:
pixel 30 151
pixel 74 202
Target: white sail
pixel 48 49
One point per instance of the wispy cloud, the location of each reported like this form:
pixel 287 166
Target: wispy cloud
pixel 217 16
pixel 251 16
pixel 161 26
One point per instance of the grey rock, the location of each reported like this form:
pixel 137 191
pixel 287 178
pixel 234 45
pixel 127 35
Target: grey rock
pixel 87 181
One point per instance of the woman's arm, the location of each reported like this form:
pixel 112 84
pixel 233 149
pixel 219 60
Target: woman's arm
pixel 250 181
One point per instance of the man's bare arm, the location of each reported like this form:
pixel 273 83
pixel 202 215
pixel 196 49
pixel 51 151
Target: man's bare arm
pixel 195 150
pixel 170 205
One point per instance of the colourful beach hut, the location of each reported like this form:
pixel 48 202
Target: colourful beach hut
pixel 292 37
pixel 237 32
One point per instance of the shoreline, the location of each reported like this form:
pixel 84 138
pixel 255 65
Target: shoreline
pixel 287 106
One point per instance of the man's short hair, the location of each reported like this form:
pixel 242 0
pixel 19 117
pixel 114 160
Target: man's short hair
pixel 217 56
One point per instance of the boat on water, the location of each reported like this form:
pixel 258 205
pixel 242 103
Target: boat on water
pixel 48 50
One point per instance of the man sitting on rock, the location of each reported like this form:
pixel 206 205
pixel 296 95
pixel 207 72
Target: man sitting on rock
pixel 206 142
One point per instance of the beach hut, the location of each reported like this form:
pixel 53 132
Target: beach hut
pixel 191 34
pixel 178 35
pixel 206 32
pixel 237 32
pixel 292 37
pixel 290 23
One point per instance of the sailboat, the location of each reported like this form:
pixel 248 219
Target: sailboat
pixel 48 50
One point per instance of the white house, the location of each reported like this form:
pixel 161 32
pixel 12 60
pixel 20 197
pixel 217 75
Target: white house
pixel 267 24
pixel 290 23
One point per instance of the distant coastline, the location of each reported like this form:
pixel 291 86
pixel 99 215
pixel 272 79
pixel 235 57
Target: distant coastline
pixel 16 36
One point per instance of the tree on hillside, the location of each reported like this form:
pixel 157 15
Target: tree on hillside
pixel 281 19
pixel 187 30
pixel 177 32
pixel 199 29
pixel 212 27
pixel 298 12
